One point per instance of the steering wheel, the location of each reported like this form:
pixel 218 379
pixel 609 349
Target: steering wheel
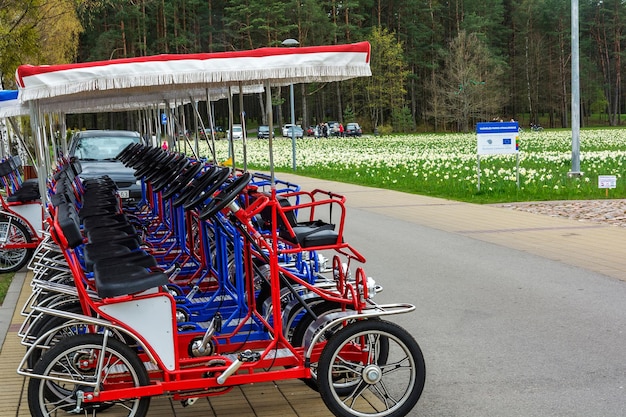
pixel 207 188
pixel 226 196
pixel 164 168
pixel 165 164
pixel 144 167
pixel 182 180
pixel 141 157
pixel 160 183
pixel 193 187
pixel 128 150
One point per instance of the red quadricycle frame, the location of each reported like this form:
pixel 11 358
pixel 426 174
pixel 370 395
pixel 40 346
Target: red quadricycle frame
pixel 156 360
pixel 21 216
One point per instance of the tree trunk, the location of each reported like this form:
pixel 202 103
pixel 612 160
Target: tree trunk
pixel 123 39
pixel 210 25
pixel 305 111
pixel 528 84
pixel 264 120
pixel 165 46
pixel 339 104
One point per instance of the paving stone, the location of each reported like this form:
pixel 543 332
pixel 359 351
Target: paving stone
pixel 612 212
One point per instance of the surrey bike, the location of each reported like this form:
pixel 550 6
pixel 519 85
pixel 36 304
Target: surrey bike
pixel 122 359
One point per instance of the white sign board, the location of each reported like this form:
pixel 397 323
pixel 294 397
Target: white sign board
pixel 497 138
pixel 607 181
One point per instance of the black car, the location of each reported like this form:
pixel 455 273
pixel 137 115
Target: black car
pixel 96 151
pixel 263 132
pixel 353 129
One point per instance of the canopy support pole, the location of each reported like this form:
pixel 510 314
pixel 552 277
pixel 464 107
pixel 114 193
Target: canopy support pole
pixel 231 145
pixel 41 148
pixel 244 137
pixel 196 126
pixel 198 119
pixel 53 142
pixel 63 133
pixel 209 109
pixel 270 119
pixel 22 143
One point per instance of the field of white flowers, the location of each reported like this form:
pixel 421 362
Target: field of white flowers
pixel 446 164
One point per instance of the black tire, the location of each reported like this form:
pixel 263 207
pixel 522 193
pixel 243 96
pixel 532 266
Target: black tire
pixel 12 260
pixel 297 336
pixel 76 359
pixel 391 389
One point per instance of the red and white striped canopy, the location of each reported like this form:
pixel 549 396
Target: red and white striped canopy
pixel 278 66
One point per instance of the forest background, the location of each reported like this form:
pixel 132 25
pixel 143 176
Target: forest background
pixel 437 65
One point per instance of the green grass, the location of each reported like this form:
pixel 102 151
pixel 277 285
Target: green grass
pixel 445 165
pixel 5 282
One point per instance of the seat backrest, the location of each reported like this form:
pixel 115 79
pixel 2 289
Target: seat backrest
pixel 5 168
pixel 266 214
pixel 69 223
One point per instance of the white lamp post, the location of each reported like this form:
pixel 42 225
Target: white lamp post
pixel 292 43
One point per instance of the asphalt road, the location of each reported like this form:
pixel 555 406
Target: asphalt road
pixel 504 333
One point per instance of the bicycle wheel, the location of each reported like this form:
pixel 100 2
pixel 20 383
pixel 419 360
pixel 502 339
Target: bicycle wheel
pixel 13 232
pixel 389 389
pixel 77 361
pixel 343 386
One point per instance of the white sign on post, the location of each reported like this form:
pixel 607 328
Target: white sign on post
pixel 497 137
pixel 607 181
pixel 493 138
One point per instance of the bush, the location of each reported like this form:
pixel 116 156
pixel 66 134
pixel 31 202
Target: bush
pixel 385 130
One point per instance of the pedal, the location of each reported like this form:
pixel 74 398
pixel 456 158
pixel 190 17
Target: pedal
pixel 193 292
pixel 189 401
pixel 245 356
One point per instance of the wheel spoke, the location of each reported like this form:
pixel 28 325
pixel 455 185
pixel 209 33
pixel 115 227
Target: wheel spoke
pixel 396 366
pixel 373 348
pixel 356 393
pixel 61 403
pixel 381 390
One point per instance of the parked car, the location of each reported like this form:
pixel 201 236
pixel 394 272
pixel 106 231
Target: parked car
pixel 218 131
pixel 333 128
pixel 298 132
pixel 96 150
pixel 353 129
pixel 263 132
pixel 285 130
pixel 312 131
pixel 237 132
